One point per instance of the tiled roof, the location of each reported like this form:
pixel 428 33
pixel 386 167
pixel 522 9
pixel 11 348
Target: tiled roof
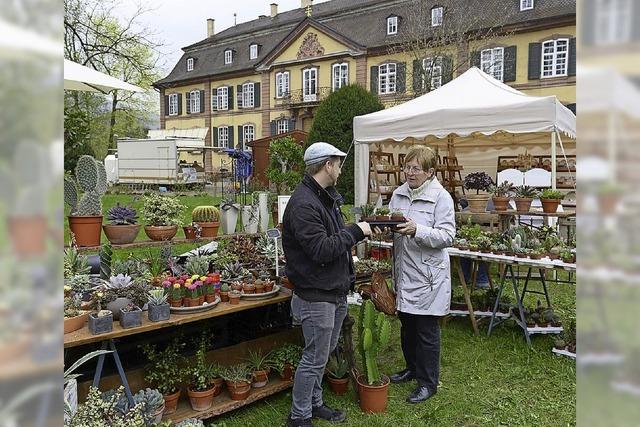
pixel 362 21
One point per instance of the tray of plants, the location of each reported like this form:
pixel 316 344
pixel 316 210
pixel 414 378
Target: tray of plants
pixel 195 309
pixel 264 295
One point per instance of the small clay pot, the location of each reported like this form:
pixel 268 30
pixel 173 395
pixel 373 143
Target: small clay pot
pixel 234 299
pixel 224 296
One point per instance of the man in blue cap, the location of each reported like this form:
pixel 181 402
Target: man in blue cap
pixel 318 245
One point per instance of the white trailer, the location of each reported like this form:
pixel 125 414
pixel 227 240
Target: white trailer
pixel 156 161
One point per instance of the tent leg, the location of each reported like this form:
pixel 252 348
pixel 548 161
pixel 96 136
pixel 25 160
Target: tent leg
pixel 553 160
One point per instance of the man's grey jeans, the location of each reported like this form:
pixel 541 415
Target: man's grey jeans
pixel 321 324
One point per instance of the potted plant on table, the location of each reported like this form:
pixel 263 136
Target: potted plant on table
pixel 479 181
pixel 285 360
pixel 234 297
pixel 85 218
pixel 164 372
pixel 201 387
pixel 122 228
pixel 374 331
pixel 152 404
pixel 176 293
pixel 101 321
pixel 338 374
pixel 550 200
pixel 159 309
pixel 224 292
pixel 74 317
pixel 208 219
pixel 192 231
pixel 163 215
pixel 130 316
pixel 238 381
pixel 524 197
pixel 260 365
pixel 500 195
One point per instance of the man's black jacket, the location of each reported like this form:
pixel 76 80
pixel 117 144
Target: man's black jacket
pixel 317 243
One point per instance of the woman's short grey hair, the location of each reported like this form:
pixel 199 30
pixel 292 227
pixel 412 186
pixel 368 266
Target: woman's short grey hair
pixel 424 155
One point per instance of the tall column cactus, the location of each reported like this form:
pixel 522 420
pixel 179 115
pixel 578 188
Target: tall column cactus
pixel 91 179
pixel 374 331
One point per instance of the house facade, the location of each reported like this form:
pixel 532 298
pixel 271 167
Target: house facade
pixel 267 76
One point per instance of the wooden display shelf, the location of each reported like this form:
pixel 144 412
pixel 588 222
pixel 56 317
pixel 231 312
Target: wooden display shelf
pixel 223 403
pixel 83 336
pixel 511 212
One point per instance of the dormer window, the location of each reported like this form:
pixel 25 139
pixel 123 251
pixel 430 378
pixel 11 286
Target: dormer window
pixel 189 64
pixel 253 51
pixel 228 56
pixel 436 16
pixel 526 5
pixel 392 25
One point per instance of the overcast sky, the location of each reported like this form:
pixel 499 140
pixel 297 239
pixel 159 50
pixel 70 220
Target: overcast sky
pixel 181 23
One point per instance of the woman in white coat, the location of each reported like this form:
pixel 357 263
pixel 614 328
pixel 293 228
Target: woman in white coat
pixel 421 270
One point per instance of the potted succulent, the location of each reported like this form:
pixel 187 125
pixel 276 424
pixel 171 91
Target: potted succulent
pixel 130 316
pixel 524 196
pixel 229 211
pixel 479 181
pixel 397 216
pixel 152 404
pixel 550 200
pixel 85 218
pixel 238 381
pixel 176 293
pixel 500 195
pixel 74 317
pixel 122 228
pixel 374 331
pixel 224 292
pixel 259 285
pixel 567 256
pixel 484 243
pixel 191 293
pixel 285 360
pixel 338 374
pixel 234 297
pixel 260 365
pixel 367 212
pixel 116 290
pixel 208 218
pixel 164 372
pixel 163 215
pixel 101 321
pixel 159 308
pixel 201 388
pixel 190 422
pixel 248 288
pixel 382 214
pixel 192 231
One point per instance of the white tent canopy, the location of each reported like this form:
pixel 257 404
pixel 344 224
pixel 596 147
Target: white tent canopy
pixel 79 77
pixel 471 107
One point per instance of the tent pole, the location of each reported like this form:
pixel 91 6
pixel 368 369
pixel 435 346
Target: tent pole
pixel 553 160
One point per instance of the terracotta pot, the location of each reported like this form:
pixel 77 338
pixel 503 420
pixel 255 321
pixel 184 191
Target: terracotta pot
pixel 171 402
pixel 160 233
pixel 86 229
pixel 189 232
pixel 249 289
pixel 287 372
pixel 268 287
pixel 209 229
pixel 500 203
pixel 523 204
pixel 210 298
pixel 373 399
pixel 176 303
pixel 260 289
pixel 74 323
pixel 550 205
pixel 477 202
pixel 260 379
pixel 238 390
pixel 201 299
pixel 191 302
pixel 338 385
pixel 217 383
pixel 156 417
pixel 382 217
pixel 224 296
pixel 121 234
pixel 234 299
pixel 28 234
pixel 201 400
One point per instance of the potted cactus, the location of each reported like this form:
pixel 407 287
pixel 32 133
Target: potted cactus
pixel 208 219
pixel 159 308
pixel 163 215
pixel 550 200
pixel 479 181
pixel 374 331
pixel 500 195
pixel 524 197
pixel 85 218
pixel 234 297
pixel 224 292
pixel 382 214
pixel 122 227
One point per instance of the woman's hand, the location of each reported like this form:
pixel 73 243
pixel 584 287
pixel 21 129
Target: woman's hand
pixel 408 228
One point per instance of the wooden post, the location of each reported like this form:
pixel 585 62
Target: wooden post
pixel 347 335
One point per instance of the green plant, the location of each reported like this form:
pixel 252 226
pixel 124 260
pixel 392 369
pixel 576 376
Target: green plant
pixel 382 211
pixel 72 305
pixel 163 371
pixel 224 288
pixel 162 210
pixel 205 214
pixel 234 270
pixel 338 366
pixel 484 242
pixel 75 263
pixel 504 189
pixel 286 164
pixel 80 283
pixel 526 192
pixel 469 231
pixel 374 331
pixel 201 373
pixel 150 400
pixel 258 361
pixel 479 181
pixel 97 411
pixel 516 244
pixel 287 354
pixel 548 193
pixel 367 210
pixel 106 253
pixel 237 373
pixel 197 265
pixel 190 422
pixel 120 281
pixel 91 179
pixel 157 297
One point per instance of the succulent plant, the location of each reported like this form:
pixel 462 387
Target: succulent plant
pixel 516 244
pixel 197 264
pixel 526 192
pixel 75 263
pixel 105 261
pixel 338 367
pixel 224 288
pixel 382 211
pixel 72 305
pixel 205 214
pixel 266 246
pixel 374 331
pixel 91 179
pixel 237 373
pixel 151 400
pixel 190 422
pixel 504 189
pixel 367 210
pixel 122 215
pixel 120 281
pixel 80 283
pixel 548 193
pixel 157 297
pixel 162 210
pixel 234 270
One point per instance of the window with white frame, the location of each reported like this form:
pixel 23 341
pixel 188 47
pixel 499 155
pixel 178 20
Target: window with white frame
pixel 173 104
pixel 433 70
pixel 392 25
pixel 223 137
pixel 309 84
pixel 436 16
pixel 248 134
pixel 228 56
pixel 247 95
pixel 340 75
pixel 282 126
pixel 282 84
pixel 194 101
pixel 492 62
pixel 189 64
pixel 526 4
pixel 223 98
pixel 386 79
pixel 253 51
pixel 613 21
pixel 555 58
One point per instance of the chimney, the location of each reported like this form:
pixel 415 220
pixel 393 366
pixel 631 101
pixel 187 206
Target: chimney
pixel 305 3
pixel 210 27
pixel 274 9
